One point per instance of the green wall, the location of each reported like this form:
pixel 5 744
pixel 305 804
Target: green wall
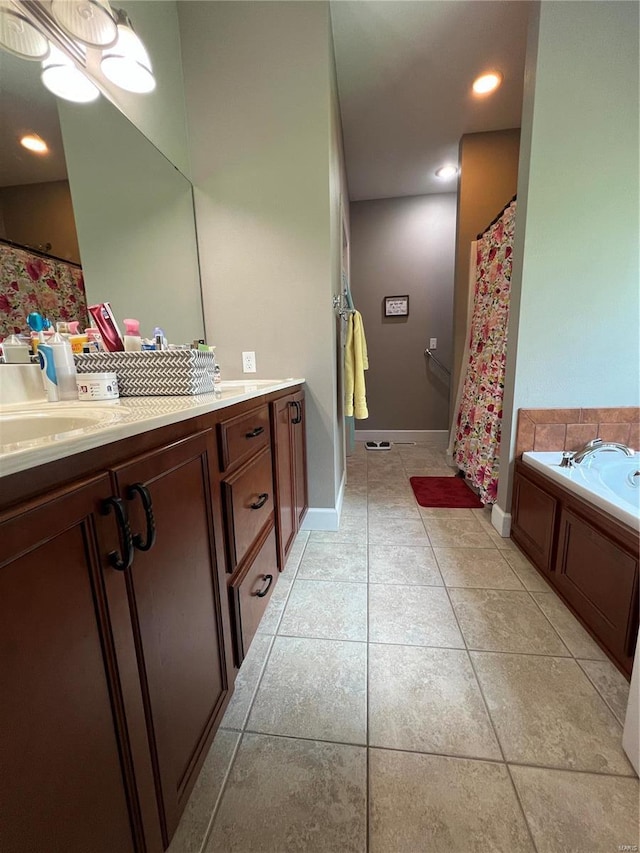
pixel 573 329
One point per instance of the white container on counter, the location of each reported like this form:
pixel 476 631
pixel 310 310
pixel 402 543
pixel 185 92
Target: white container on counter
pixel 97 386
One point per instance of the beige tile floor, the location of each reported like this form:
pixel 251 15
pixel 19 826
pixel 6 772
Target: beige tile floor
pixel 416 686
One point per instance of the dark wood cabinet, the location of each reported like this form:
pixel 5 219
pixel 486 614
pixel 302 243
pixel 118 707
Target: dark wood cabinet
pixel 176 611
pixel 68 780
pixel 290 469
pixel 299 445
pixel 598 578
pixel 533 520
pixel 133 577
pixel 589 557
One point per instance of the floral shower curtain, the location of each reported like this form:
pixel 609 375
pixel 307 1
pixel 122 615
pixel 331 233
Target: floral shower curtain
pixel 33 282
pixel 476 448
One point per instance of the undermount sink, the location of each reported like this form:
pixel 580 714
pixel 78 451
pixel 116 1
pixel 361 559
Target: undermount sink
pixel 24 426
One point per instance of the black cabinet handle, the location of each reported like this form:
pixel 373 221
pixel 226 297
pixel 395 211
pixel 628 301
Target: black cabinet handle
pixel 254 432
pixel 120 510
pixel 265 590
pixel 262 499
pixel 147 504
pixel 298 418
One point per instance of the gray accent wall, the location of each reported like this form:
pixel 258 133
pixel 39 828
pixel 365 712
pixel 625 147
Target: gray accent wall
pixel 405 246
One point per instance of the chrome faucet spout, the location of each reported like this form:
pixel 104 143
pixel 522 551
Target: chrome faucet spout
pixel 597 445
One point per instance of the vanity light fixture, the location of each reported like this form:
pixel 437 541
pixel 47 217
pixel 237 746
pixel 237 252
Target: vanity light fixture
pixel 19 36
pixel 75 38
pixel 35 143
pixel 487 83
pixel 63 78
pixel 127 62
pixel 90 22
pixel 446 172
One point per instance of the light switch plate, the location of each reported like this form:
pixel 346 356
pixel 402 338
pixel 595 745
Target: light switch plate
pixel 433 343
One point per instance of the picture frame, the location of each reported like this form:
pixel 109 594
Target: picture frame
pixel 396 306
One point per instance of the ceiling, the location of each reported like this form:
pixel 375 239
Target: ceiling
pixel 405 69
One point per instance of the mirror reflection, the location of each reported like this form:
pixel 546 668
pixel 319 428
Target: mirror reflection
pixel 101 215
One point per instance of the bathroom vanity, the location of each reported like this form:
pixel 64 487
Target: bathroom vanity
pixel 137 559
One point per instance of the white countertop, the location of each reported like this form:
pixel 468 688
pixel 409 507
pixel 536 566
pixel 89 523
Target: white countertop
pixel 119 419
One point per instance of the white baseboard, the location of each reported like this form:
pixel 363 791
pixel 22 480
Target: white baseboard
pixel 399 435
pixel 501 521
pixel 326 518
pixel 321 518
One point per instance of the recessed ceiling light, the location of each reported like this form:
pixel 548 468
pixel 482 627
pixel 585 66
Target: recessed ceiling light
pixel 487 83
pixel 445 172
pixel 34 143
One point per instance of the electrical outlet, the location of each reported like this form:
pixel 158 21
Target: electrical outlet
pixel 433 343
pixel 248 362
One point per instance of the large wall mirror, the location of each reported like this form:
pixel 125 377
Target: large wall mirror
pixel 103 197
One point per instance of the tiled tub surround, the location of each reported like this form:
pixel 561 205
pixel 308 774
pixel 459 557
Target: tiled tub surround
pixel 570 429
pixel 416 685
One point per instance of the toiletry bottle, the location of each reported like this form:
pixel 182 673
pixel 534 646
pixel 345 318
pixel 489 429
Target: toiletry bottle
pixel 65 367
pixel 48 370
pixel 106 323
pixel 94 337
pixel 132 339
pixel 15 350
pixel 217 377
pixel 160 339
pixel 77 339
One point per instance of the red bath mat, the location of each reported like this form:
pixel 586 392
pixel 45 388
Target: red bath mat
pixel 444 492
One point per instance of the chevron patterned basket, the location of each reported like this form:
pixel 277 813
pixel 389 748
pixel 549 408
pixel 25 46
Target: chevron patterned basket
pixel 152 373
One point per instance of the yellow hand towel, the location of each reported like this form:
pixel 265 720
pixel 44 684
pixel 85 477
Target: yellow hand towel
pixel 355 363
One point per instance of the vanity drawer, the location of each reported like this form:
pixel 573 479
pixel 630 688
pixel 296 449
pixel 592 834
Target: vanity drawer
pixel 251 591
pixel 248 496
pixel 243 436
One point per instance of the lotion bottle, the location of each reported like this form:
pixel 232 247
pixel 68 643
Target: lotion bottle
pixel 65 367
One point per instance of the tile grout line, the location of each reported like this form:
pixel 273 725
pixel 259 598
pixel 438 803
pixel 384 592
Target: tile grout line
pixel 604 699
pixel 245 720
pixel 218 801
pixel 504 757
pixel 491 722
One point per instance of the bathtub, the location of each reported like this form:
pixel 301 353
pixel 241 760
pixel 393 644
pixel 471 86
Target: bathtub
pixel 605 480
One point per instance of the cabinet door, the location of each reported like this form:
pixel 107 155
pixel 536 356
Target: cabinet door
pixel 533 523
pixel 66 784
pixel 298 427
pixel 282 413
pixel 180 618
pixel 600 580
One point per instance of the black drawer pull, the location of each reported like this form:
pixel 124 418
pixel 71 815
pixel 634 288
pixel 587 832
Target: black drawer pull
pixel 265 590
pixel 145 496
pixel 262 499
pixel 298 418
pixel 120 509
pixel 255 432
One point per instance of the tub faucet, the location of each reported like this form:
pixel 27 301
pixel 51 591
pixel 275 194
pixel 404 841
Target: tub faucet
pixel 590 448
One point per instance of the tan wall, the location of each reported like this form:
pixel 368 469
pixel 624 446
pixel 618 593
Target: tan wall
pixel 37 214
pixel 488 180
